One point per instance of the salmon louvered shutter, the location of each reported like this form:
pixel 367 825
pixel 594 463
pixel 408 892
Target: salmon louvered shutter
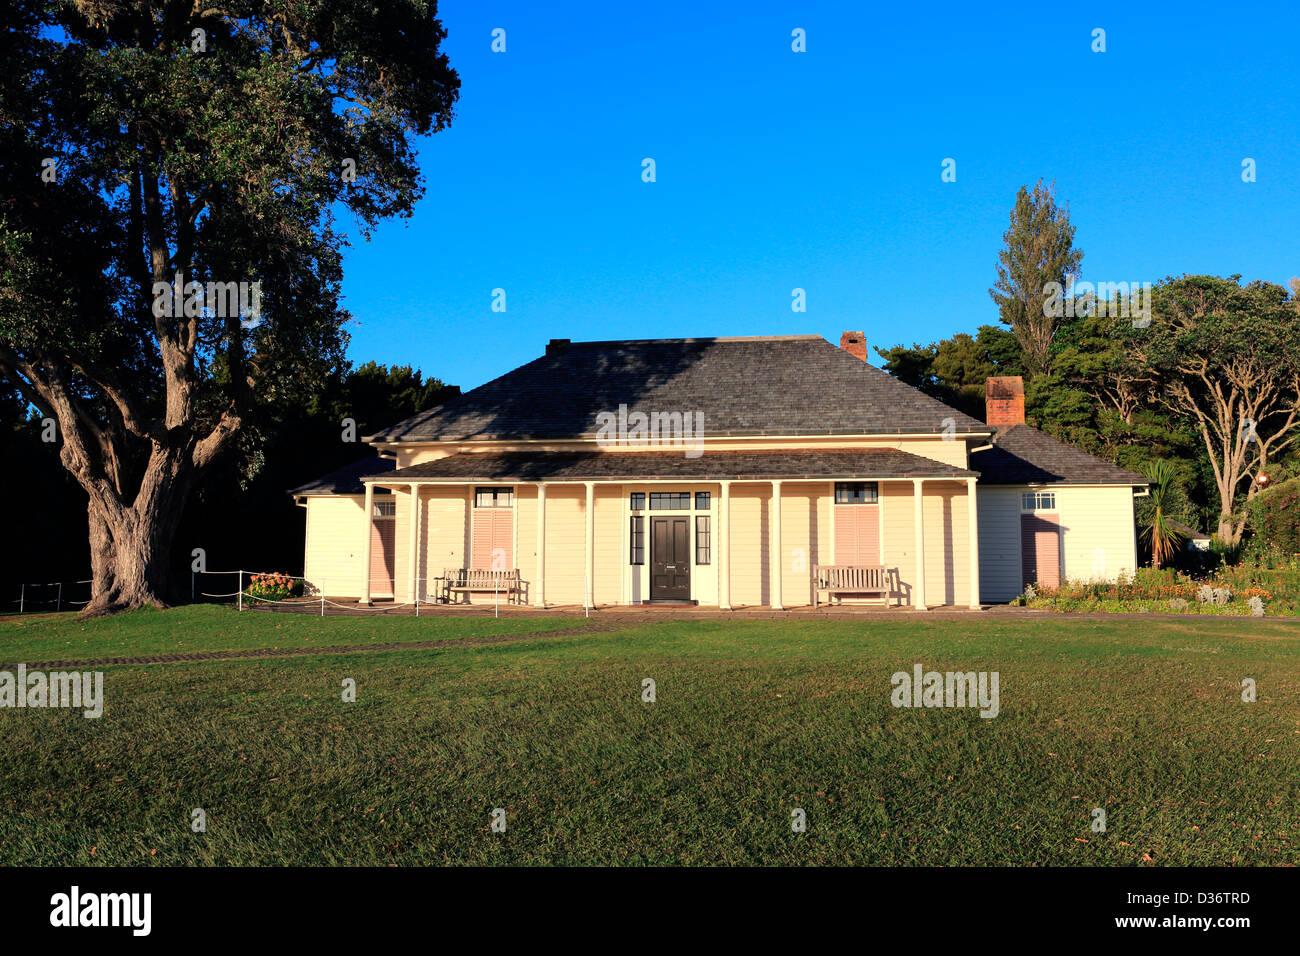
pixel 493 536
pixel 857 535
pixel 1040 548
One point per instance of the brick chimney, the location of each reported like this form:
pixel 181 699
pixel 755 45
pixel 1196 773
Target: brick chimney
pixel 855 343
pixel 1004 401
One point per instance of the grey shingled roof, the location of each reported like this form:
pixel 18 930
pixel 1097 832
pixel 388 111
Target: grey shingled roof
pixel 713 466
pixel 1022 455
pixel 347 480
pixel 775 385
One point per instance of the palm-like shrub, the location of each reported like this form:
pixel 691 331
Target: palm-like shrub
pixel 1158 530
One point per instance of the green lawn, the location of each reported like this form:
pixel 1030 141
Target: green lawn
pixel 1143 718
pixel 66 637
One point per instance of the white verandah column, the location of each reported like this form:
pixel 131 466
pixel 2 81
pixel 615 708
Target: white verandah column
pixel 369 508
pixel 777 558
pixel 918 506
pixel 724 546
pixel 539 599
pixel 413 590
pixel 974 534
pixel 588 599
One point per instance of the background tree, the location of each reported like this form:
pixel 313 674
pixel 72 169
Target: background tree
pixel 1228 357
pixel 1038 248
pixel 955 370
pixel 213 144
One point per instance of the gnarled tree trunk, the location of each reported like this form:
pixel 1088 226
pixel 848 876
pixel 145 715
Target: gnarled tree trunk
pixel 130 545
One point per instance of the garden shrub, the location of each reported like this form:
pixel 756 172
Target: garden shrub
pixel 273 587
pixel 1275 517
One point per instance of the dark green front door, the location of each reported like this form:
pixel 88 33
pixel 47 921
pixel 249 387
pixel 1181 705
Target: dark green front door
pixel 670 559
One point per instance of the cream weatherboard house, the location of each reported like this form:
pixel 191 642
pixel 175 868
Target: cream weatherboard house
pixel 769 471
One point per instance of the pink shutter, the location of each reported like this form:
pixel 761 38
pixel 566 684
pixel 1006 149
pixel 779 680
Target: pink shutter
pixel 857 535
pixel 503 539
pixel 493 532
pixel 383 543
pixel 481 545
pixel 1040 548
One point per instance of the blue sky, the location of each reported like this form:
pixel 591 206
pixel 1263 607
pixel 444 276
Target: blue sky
pixel 820 170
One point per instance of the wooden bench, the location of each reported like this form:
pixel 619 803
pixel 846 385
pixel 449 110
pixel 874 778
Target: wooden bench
pixel 840 579
pixel 478 580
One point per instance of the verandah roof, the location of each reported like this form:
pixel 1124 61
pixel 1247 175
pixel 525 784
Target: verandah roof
pixel 867 464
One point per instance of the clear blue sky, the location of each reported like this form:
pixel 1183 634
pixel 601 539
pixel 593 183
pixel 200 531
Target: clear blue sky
pixel 820 170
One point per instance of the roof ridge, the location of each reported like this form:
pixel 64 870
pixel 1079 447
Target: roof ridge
pixel 694 339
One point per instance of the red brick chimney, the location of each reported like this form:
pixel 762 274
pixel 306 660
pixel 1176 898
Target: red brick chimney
pixel 855 343
pixel 1004 401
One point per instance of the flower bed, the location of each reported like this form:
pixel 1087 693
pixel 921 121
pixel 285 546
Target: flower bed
pixel 274 587
pixel 1168 593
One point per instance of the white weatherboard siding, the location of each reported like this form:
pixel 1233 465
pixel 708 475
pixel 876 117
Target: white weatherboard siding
pixel 1097 524
pixel 999 527
pixel 335 525
pixel 1097 529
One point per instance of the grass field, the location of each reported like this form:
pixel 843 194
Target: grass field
pixel 1142 718
pixel 66 637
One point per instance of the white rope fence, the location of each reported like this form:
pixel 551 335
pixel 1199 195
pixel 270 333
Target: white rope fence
pixel 320 601
pixel 30 595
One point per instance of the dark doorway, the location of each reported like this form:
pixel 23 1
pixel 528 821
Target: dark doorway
pixel 670 559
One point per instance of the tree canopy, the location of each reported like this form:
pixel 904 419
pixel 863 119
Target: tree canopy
pixel 170 263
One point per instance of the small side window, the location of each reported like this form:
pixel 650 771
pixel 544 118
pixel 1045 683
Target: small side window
pixel 636 550
pixel 703 540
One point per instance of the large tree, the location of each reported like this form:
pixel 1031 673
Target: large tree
pixel 145 144
pixel 1229 359
pixel 1038 250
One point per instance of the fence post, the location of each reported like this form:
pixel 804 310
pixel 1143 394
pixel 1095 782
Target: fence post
pixel 241 590
pixel 322 603
pixel 417 595
pixel 22 597
pixel 58 606
pixel 496 601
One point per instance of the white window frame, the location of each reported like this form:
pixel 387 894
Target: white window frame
pixel 496 491
pixel 1031 501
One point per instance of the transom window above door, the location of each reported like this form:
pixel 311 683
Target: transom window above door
pixel 857 492
pixel 670 501
pixel 494 497
pixel 1038 501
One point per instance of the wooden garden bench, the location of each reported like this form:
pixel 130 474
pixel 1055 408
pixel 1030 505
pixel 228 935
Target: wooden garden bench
pixel 840 579
pixel 479 580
